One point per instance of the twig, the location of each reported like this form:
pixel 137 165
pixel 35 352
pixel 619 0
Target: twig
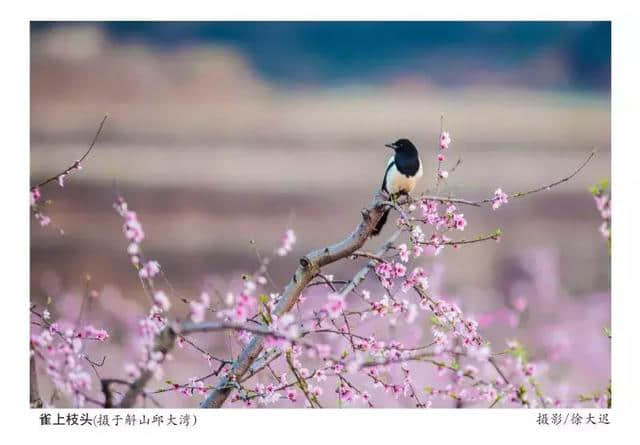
pixel 479 203
pixel 76 164
pixel 301 382
pixel 326 280
pixel 497 368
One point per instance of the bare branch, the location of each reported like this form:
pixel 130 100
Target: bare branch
pixel 548 186
pixel 76 164
pixel 479 203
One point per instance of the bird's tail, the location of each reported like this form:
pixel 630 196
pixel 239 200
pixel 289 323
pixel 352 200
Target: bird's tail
pixel 381 223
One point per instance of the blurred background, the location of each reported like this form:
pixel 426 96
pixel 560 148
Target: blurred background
pixel 223 133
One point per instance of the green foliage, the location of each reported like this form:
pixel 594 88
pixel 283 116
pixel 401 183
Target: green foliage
pixel 518 351
pixel 598 189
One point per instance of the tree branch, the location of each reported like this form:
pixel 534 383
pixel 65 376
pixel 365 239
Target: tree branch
pixel 164 342
pixel 35 401
pixel 480 202
pixel 76 164
pixel 309 267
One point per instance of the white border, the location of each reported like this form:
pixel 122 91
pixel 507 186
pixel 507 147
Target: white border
pixel 288 426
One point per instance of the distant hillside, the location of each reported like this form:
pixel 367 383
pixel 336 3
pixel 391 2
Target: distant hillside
pixel 563 55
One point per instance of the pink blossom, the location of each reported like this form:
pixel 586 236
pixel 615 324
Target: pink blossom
pixel 459 222
pixel 197 311
pixel 315 391
pixel 399 270
pixel 133 249
pixel 205 299
pixel 35 196
pixel 445 140
pixel 149 270
pixel 384 270
pixel 529 369
pixel 286 242
pixel 604 230
pixel 335 306
pixel 520 303
pixel 44 219
pixel 292 395
pixel 161 299
pixel 91 332
pixel 417 235
pixel 403 252
pixel 603 205
pixel 132 371
pixel 429 206
pixel 499 198
pixel 416 277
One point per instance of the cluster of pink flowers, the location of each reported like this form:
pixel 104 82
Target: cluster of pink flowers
pixel 242 304
pixel 387 272
pixel 385 306
pixel 603 203
pixel 198 308
pixel 150 326
pixel 62 352
pixel 445 140
pixel 161 300
pixel 150 359
pixel 441 224
pixel 286 242
pixel 91 333
pixel 133 231
pixel 35 196
pixel 417 277
pixel 335 305
pixel 195 386
pixel 149 269
pixel 451 320
pixel 499 198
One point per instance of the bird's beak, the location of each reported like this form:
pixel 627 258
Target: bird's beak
pixel 391 146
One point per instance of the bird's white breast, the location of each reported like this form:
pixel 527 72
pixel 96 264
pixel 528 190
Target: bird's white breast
pixel 397 182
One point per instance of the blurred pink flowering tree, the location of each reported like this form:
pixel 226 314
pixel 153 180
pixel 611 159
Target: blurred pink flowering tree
pixel 320 341
pixel 602 196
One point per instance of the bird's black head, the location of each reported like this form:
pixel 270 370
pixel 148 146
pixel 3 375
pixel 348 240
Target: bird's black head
pixel 403 146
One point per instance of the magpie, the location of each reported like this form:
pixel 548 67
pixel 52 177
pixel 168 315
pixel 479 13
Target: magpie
pixel 404 169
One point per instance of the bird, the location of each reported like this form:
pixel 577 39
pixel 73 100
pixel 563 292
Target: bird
pixel 403 171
